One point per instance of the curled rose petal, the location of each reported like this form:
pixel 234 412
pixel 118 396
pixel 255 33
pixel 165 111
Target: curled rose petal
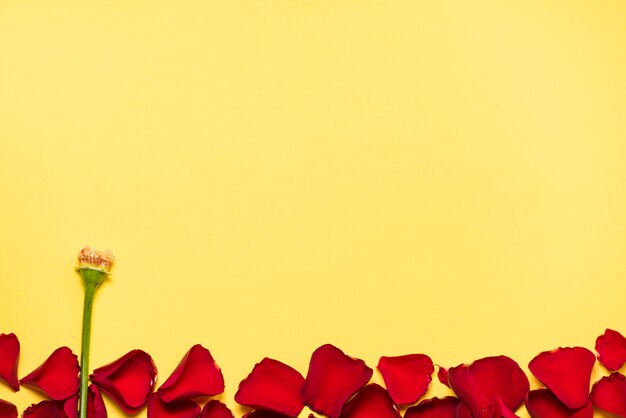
pixel 129 380
pixel 542 403
pixel 272 385
pixel 45 409
pixel 372 401
pixel 196 375
pixel 95 405
pixel 9 356
pixel 215 409
pixel 7 410
pixel 434 408
pixel 486 382
pixel 57 377
pixel 333 377
pixel 609 394
pixel 566 372
pixel 611 348
pixel 406 377
pixel 260 413
pixel 442 375
pixel 180 409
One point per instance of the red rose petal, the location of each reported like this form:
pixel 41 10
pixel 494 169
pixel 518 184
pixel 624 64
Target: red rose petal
pixel 196 375
pixel 129 380
pixel 442 375
pixel 9 356
pixel 272 385
pixel 70 406
pixel 95 405
pixel 406 377
pixel 503 411
pixel 434 408
pixel 332 379
pixel 57 377
pixel 215 409
pixel 7 410
pixel 45 409
pixel 486 382
pixel 611 347
pixel 373 401
pixel 181 409
pixel 542 403
pixel 259 413
pixel 609 394
pixel 566 372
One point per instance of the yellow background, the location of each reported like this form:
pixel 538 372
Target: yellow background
pixel 441 177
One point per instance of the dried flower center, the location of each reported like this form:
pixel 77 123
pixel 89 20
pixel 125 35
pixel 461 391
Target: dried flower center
pixel 88 257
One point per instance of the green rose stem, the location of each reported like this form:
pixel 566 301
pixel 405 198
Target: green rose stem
pixel 93 267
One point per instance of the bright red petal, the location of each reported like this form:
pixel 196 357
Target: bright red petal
pixel 609 394
pixel 434 408
pixel 611 347
pixel 129 380
pixel 9 356
pixel 57 377
pixel 95 405
pixel 215 409
pixel 442 375
pixel 542 403
pixel 272 385
pixel 196 375
pixel 70 406
pixel 406 377
pixel 259 413
pixel 332 379
pixel 181 409
pixel 45 409
pixel 7 410
pixel 372 401
pixel 486 382
pixel 566 372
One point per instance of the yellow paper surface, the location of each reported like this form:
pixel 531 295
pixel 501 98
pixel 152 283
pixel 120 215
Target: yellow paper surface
pixel 391 177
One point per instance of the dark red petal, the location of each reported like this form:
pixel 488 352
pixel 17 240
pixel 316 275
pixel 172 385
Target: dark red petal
pixel 45 409
pixel 95 405
pixel 9 356
pixel 406 377
pixel 196 375
pixel 434 408
pixel 462 411
pixel 542 403
pixel 129 380
pixel 57 377
pixel 70 407
pixel 272 385
pixel 332 379
pixel 181 409
pixel 259 413
pixel 7 410
pixel 503 411
pixel 611 347
pixel 216 409
pixel 373 401
pixel 486 382
pixel 442 375
pixel 609 394
pixel 566 372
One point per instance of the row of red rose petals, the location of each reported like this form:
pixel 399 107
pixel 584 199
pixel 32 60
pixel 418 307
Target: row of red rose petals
pixel 490 387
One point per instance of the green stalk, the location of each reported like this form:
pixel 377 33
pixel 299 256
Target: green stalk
pixel 92 278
